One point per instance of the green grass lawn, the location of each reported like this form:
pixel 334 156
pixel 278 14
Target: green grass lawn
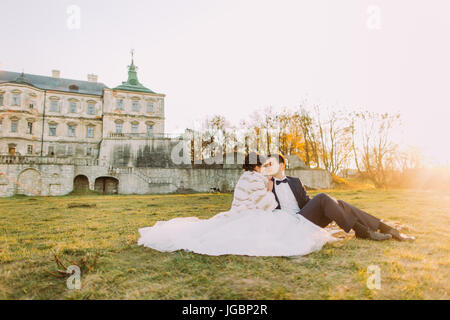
pixel 33 229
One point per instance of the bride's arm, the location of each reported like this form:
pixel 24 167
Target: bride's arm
pixel 251 192
pixel 263 198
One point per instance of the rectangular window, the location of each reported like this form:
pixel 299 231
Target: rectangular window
pixel 31 105
pixel 73 107
pixel 71 131
pixel 90 132
pixel 134 128
pixel 14 125
pixel 30 128
pixel 118 128
pixel 1 99
pixel 51 150
pixel 149 130
pixel 52 130
pixel 91 108
pixel 120 104
pixel 30 149
pixel 1 126
pixel 54 106
pixel 135 106
pixel 150 107
pixel 89 151
pixel 16 99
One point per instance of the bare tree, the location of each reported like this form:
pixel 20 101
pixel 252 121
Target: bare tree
pixel 331 139
pixel 335 139
pixel 377 153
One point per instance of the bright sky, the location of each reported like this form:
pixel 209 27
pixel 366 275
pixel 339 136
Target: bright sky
pixel 232 57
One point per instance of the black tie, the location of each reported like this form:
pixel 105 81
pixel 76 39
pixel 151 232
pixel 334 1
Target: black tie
pixel 281 181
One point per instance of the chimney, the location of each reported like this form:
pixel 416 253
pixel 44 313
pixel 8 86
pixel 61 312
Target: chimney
pixel 56 74
pixel 92 77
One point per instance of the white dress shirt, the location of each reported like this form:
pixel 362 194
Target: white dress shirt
pixel 286 197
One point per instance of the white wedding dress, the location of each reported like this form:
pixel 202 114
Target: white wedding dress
pixel 252 227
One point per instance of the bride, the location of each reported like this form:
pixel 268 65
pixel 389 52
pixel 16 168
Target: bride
pixel 251 227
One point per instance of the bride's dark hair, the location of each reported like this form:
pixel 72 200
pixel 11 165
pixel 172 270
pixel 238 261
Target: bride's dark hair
pixel 253 160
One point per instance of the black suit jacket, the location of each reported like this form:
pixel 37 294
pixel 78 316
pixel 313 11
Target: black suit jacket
pixel 298 189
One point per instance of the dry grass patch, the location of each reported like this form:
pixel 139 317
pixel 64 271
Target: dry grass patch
pixel 33 229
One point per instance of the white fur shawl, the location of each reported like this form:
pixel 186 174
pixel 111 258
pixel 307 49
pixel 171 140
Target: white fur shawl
pixel 251 193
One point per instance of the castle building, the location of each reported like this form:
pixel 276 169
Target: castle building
pixel 52 116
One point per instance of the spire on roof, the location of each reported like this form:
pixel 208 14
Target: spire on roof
pixel 133 84
pixel 132 71
pixel 132 57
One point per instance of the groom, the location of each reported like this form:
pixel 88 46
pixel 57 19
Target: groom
pixel 322 209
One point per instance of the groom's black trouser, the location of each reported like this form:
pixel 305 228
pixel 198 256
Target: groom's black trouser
pixel 323 209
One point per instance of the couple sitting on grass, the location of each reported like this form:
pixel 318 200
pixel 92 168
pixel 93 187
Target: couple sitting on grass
pixel 271 215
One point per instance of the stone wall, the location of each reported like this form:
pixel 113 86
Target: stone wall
pixel 59 179
pixel 36 179
pixel 313 179
pixel 135 151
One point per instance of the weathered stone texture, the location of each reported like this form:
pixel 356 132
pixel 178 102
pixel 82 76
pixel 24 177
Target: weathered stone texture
pixel 54 180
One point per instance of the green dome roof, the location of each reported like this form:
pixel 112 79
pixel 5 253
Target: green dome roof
pixel 133 84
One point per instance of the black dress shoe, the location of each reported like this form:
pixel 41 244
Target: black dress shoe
pixel 377 236
pixel 400 236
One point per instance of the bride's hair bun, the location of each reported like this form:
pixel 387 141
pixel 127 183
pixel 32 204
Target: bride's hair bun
pixel 253 160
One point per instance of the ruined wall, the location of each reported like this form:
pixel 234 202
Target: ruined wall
pixel 136 152
pixel 58 179
pixel 314 179
pixel 165 180
pixel 38 179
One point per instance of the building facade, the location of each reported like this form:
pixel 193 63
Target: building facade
pixel 50 116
